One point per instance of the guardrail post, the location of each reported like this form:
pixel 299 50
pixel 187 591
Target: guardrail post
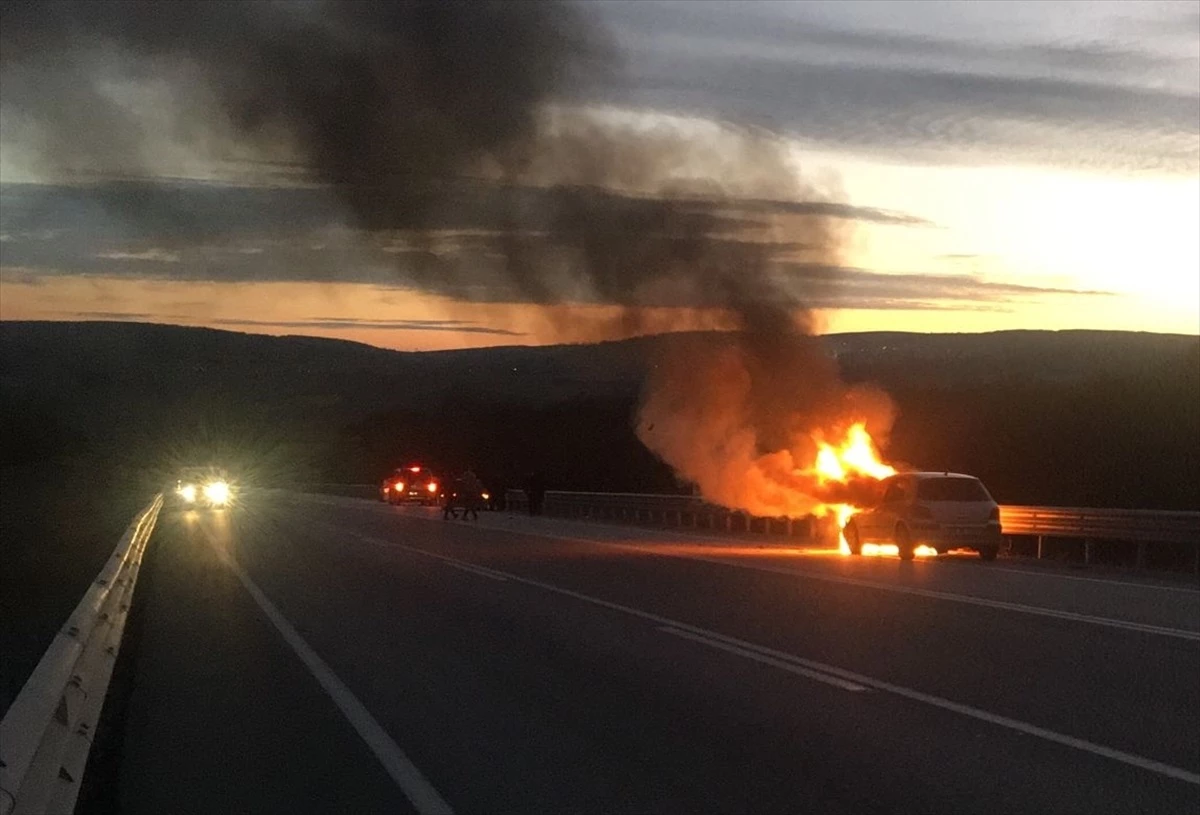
pixel 1087 551
pixel 1141 555
pixel 1039 549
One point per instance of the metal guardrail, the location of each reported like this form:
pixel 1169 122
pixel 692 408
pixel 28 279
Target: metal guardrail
pixel 1134 525
pixel 1091 525
pixel 47 733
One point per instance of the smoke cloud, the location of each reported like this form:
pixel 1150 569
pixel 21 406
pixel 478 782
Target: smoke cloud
pixel 405 110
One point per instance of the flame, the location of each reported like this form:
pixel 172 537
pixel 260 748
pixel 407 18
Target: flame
pixel 854 456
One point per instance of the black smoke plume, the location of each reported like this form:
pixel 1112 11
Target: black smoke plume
pixel 408 110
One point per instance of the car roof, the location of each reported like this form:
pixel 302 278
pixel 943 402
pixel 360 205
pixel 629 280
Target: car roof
pixel 929 474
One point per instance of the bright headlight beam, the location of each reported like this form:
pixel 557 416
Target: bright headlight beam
pixel 188 493
pixel 217 492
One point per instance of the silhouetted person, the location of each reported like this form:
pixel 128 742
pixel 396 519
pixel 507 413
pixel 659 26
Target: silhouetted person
pixel 471 491
pixel 453 499
pixel 535 491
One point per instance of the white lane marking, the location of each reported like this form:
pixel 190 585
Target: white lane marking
pixel 792 664
pixel 1041 611
pixel 425 799
pixel 478 570
pixel 1102 581
pixel 917 696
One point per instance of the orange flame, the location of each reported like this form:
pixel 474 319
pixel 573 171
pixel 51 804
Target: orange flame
pixel 855 455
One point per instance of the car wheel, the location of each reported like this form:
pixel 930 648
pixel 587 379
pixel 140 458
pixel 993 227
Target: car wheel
pixel 904 544
pixel 988 553
pixel 850 533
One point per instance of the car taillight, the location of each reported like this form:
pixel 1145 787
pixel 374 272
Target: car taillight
pixel 924 513
pixel 994 515
pixel 400 487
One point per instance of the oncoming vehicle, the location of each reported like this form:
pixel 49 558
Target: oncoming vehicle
pixel 202 488
pixel 941 510
pixel 413 484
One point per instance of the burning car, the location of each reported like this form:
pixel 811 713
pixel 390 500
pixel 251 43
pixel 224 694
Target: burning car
pixel 413 484
pixel 937 511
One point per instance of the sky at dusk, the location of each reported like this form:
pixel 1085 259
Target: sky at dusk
pixel 979 166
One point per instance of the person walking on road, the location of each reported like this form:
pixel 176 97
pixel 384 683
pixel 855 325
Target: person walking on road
pixel 471 492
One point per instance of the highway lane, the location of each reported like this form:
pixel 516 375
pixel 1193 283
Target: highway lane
pixel 521 668
pixel 1139 601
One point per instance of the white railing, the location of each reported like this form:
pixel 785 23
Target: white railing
pixel 47 733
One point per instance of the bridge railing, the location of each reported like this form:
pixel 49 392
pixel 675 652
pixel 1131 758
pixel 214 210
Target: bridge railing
pixel 1041 526
pixel 47 732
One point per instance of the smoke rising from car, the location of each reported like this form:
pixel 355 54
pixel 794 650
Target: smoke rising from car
pixel 412 111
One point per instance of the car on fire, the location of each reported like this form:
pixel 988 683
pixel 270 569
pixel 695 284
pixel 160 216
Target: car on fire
pixel 413 484
pixel 201 488
pixel 943 511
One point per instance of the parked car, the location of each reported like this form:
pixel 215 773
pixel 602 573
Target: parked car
pixel 414 484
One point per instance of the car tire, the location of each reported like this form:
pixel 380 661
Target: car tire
pixel 988 553
pixel 850 533
pixel 904 543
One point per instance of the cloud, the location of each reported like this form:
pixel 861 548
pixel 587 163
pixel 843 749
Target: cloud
pixel 851 288
pixel 460 326
pixel 205 232
pixel 313 323
pixel 991 94
pixel 216 233
pixel 157 255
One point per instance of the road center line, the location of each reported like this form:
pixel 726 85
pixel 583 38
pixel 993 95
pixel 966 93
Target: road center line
pixel 789 665
pixel 1016 725
pixel 425 799
pixel 478 570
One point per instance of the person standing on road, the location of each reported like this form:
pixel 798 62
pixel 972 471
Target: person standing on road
pixel 452 500
pixel 471 490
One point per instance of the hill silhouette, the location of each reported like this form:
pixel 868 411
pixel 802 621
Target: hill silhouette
pixel 1075 417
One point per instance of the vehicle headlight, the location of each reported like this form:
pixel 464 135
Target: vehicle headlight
pixel 187 492
pixel 432 487
pixel 217 492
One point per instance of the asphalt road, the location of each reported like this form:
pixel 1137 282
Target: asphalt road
pixel 317 654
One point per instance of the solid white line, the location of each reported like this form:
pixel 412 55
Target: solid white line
pixel 897 690
pixel 763 658
pixel 478 570
pixel 425 799
pixel 1041 611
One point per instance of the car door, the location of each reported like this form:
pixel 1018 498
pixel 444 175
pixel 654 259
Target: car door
pixel 891 508
pixel 869 522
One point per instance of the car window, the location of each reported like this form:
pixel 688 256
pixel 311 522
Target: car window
pixel 895 493
pixel 951 489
